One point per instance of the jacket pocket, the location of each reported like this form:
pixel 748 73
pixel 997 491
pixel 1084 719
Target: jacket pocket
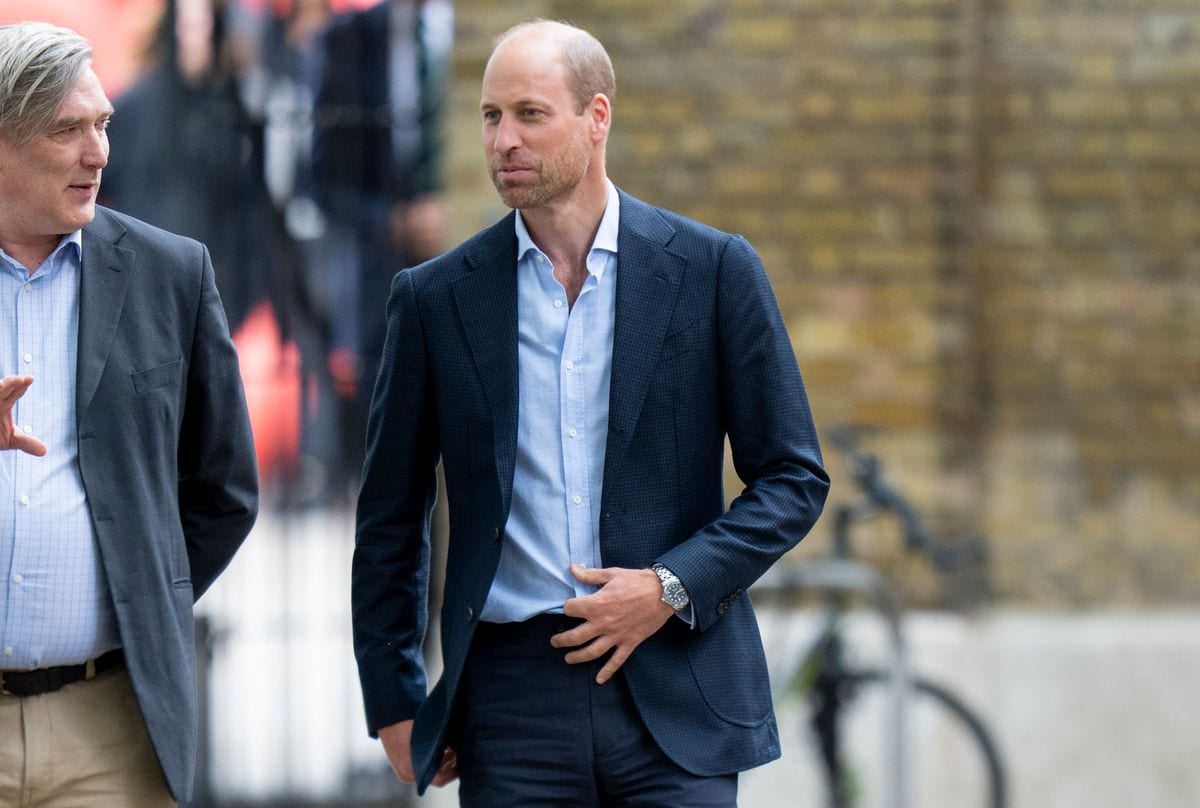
pixel 730 669
pixel 155 377
pixel 683 340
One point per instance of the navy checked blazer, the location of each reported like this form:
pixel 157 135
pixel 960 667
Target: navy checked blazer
pixel 700 351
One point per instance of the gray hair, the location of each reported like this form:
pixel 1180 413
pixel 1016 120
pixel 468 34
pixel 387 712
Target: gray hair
pixel 39 66
pixel 589 70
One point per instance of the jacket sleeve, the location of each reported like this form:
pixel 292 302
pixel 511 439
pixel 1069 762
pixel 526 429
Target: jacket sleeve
pixel 765 413
pixel 390 572
pixel 218 472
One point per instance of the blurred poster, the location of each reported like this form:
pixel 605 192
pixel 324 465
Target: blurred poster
pixel 119 31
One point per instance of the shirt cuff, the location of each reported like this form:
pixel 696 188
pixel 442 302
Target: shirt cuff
pixel 688 615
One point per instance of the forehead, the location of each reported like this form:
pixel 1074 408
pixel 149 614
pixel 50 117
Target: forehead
pixel 525 70
pixel 86 99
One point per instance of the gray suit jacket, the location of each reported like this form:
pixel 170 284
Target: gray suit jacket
pixel 166 456
pixel 700 352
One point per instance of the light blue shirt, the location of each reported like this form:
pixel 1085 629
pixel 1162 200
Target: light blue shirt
pixel 54 603
pixel 564 356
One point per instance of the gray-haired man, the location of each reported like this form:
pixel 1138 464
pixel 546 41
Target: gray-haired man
pixel 130 479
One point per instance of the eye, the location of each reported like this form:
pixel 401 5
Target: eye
pixel 491 116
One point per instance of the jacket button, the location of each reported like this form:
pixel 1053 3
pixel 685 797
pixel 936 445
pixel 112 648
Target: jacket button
pixel 498 534
pixel 470 614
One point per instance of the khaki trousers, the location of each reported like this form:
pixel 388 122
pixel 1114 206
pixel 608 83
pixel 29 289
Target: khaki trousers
pixel 85 746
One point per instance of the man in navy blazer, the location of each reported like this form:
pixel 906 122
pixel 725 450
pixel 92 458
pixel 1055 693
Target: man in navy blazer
pixel 131 479
pixel 576 369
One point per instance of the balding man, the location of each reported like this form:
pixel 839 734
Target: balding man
pixel 576 369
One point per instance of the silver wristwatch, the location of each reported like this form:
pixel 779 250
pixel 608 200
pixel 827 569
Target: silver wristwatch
pixel 673 594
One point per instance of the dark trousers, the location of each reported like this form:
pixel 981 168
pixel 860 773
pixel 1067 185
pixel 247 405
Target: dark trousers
pixel 535 731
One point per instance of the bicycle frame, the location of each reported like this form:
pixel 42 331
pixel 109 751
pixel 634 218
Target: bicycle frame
pixel 843 577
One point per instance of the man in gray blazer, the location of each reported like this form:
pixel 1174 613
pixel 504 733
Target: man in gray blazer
pixel 132 478
pixel 576 369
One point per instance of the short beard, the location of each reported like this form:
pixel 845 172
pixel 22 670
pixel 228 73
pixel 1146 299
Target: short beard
pixel 553 181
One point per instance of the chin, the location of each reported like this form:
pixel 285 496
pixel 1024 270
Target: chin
pixel 83 217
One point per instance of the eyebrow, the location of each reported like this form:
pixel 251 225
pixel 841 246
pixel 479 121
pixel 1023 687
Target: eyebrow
pixel 521 102
pixel 66 123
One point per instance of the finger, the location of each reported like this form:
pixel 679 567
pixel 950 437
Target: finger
pixel 574 608
pixel 448 771
pixel 9 383
pixel 594 650
pixel 612 666
pixel 573 637
pixel 13 387
pixel 444 776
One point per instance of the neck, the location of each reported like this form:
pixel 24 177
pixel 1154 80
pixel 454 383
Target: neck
pixel 566 229
pixel 30 254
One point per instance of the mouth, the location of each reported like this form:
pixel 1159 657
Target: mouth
pixel 83 191
pixel 513 172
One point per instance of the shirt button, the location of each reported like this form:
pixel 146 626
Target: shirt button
pixel 558 304
pixel 18 578
pixel 27 429
pixel 571 433
pixel 577 499
pixel 570 365
pixel 28 357
pixel 8 650
pixel 26 287
pixel 25 500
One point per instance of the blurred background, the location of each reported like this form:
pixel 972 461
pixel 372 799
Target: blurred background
pixel 982 222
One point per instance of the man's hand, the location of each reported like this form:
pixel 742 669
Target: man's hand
pixel 11 389
pixel 626 610
pixel 397 742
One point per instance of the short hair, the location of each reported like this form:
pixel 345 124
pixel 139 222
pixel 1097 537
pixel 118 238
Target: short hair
pixel 39 66
pixel 589 70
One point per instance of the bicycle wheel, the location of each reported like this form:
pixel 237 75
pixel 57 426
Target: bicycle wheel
pixel 951 755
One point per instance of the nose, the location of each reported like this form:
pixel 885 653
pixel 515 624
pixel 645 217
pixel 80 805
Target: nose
pixel 506 138
pixel 95 149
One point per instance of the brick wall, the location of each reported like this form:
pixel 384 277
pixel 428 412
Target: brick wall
pixel 982 221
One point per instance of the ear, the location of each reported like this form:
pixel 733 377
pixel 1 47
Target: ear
pixel 600 113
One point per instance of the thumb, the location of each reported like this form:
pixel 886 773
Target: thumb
pixel 29 445
pixel 587 575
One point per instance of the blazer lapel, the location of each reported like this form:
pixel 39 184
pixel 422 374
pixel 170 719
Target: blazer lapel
pixel 104 274
pixel 486 298
pixel 648 279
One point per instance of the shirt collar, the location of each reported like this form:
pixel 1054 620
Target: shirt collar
pixel 606 234
pixel 55 257
pixel 75 238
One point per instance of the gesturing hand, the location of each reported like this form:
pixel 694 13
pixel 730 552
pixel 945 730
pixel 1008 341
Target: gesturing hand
pixel 619 616
pixel 11 389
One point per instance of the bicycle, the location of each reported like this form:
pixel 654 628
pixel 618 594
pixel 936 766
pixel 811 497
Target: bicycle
pixel 834 686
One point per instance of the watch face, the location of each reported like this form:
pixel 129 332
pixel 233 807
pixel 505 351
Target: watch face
pixel 674 594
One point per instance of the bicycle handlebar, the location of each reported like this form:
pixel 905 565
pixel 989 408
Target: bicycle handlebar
pixel 879 496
